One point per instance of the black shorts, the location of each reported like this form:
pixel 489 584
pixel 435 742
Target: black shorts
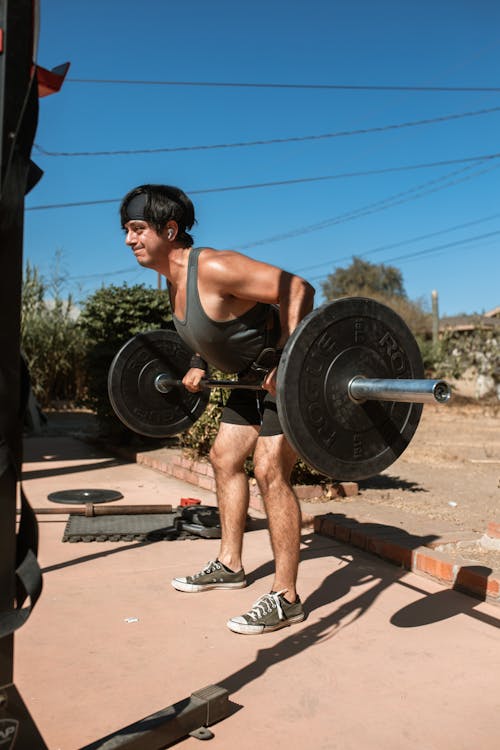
pixel 256 408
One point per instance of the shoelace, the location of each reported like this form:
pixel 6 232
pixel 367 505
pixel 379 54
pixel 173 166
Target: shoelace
pixel 266 604
pixel 210 567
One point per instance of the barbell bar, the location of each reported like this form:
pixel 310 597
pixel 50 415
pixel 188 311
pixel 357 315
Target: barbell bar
pixel 350 387
pixel 424 391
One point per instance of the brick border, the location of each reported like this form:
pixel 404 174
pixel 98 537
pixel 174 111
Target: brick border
pixel 392 544
pixel 410 552
pixel 200 473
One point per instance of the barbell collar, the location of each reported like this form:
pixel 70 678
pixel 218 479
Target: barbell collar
pixel 410 391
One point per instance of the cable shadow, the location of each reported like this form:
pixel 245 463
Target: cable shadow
pixel 97 555
pixel 73 469
pixel 60 448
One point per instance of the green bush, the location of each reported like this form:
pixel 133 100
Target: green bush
pixel 109 318
pixel 51 340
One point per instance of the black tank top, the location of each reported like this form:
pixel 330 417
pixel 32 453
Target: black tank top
pixel 230 346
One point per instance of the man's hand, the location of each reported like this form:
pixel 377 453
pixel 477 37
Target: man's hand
pixel 191 380
pixel 269 383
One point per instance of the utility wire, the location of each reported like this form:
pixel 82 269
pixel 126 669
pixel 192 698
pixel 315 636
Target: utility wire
pixel 392 245
pixel 336 261
pixel 295 181
pixel 256 85
pixel 427 251
pixel 414 193
pixel 293 139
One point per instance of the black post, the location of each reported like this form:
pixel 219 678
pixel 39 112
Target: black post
pixel 18 119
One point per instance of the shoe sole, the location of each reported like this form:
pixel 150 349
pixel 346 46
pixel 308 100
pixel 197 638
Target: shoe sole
pixel 196 588
pixel 238 627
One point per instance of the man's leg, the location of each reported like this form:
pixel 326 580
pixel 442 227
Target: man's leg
pixel 273 463
pixel 231 447
pixel 233 444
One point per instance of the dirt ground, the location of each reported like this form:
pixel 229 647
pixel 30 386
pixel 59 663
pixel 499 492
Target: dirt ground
pixel 450 471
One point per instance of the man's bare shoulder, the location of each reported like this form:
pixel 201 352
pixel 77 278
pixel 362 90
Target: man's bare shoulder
pixel 212 259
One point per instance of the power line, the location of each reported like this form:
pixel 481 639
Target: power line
pixel 294 181
pixel 390 202
pixel 258 85
pixel 274 141
pixel 429 250
pixel 392 245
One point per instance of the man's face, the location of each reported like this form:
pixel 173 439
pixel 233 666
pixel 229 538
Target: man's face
pixel 147 246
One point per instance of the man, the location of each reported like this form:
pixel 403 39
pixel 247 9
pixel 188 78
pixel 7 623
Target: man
pixel 224 308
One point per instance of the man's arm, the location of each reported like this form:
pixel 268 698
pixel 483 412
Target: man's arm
pixel 242 278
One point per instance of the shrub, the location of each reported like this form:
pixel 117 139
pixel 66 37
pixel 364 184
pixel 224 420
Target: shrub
pixel 51 340
pixel 109 318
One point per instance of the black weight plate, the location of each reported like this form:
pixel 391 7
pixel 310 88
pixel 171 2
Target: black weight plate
pixel 80 497
pixel 348 337
pixel 132 391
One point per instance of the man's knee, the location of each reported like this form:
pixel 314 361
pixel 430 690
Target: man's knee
pixel 226 458
pixel 273 462
pixel 268 472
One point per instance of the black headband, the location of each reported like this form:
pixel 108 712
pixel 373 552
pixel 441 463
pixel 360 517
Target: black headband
pixel 135 207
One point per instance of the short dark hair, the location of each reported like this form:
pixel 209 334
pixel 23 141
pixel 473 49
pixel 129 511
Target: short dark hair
pixel 163 203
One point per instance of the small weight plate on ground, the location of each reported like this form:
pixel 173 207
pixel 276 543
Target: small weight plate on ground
pixel 353 336
pixel 132 391
pixel 80 497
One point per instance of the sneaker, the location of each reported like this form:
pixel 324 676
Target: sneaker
pixel 270 612
pixel 214 575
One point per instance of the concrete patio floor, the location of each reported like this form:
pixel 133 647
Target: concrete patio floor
pixel 385 658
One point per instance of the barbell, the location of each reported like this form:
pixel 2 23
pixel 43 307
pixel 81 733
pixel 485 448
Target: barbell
pixel 350 387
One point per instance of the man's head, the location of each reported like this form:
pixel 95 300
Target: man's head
pixel 158 205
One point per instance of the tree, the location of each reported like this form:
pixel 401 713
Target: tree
pixel 364 279
pixel 383 283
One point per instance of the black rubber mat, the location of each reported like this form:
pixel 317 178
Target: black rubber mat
pixel 128 528
pixel 144 527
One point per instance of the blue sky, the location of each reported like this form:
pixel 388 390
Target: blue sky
pixel 440 225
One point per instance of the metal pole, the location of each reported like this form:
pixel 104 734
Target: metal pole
pixel 435 317
pixel 164 383
pixel 411 391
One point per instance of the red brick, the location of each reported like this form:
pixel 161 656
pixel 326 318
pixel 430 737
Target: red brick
pixel 349 489
pixel 434 564
pixel 342 533
pixel 208 483
pixel 325 525
pixel 180 473
pixel 476 578
pixel 359 538
pixel 391 550
pixel 493 530
pixel 308 491
pixel 203 467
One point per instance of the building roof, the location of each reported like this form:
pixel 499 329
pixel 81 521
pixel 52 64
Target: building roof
pixel 470 322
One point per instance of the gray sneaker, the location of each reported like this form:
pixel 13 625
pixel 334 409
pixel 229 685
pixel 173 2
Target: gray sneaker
pixel 214 575
pixel 270 612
